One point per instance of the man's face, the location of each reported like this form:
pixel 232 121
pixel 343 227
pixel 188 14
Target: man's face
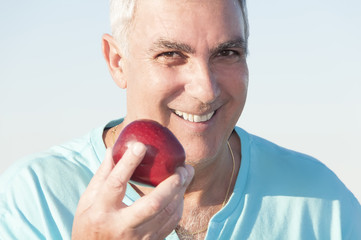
pixel 187 69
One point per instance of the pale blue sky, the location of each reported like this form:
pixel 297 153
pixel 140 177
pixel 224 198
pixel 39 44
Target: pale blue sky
pixel 305 77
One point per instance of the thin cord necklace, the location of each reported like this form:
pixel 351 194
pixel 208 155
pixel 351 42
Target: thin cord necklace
pixel 229 188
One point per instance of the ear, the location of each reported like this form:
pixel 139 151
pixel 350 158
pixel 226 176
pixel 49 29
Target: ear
pixel 114 59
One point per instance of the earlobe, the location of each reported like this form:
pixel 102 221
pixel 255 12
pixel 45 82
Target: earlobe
pixel 113 59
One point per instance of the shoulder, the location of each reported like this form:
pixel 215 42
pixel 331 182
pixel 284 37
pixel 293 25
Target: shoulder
pixel 285 184
pixel 52 161
pixel 41 191
pixel 290 172
pixel 59 168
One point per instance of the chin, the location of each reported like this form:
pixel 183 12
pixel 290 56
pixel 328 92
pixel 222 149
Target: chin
pixel 202 154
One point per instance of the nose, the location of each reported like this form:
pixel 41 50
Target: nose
pixel 202 83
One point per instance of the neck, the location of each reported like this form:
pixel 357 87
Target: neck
pixel 208 193
pixel 213 183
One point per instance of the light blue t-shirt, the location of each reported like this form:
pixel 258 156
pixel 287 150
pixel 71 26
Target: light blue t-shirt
pixel 279 194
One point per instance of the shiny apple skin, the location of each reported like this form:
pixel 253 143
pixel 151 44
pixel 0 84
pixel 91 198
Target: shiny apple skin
pixel 164 152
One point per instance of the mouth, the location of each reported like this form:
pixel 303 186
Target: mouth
pixel 193 117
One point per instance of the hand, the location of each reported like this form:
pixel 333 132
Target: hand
pixel 101 214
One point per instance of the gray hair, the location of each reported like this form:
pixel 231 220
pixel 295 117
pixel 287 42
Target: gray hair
pixel 122 13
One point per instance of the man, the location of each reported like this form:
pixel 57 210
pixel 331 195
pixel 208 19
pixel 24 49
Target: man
pixel 183 64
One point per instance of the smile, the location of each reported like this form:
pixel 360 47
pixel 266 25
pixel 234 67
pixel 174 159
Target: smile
pixel 194 118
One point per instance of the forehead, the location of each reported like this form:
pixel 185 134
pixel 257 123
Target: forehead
pixel 188 19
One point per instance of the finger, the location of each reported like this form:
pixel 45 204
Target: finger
pixel 113 191
pixel 190 171
pixel 167 219
pixel 165 222
pixel 172 213
pixel 148 207
pixel 171 224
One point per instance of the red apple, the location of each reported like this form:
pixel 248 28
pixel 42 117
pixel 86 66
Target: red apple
pixel 164 152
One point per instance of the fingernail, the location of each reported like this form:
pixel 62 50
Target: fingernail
pixel 184 174
pixel 138 149
pixel 190 170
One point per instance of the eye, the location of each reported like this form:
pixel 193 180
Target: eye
pixel 171 58
pixel 228 53
pixel 169 55
pixel 227 56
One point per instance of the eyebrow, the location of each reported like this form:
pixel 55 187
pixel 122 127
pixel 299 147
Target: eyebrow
pixel 161 43
pixel 173 45
pixel 235 43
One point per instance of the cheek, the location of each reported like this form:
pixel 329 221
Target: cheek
pixel 241 91
pixel 235 80
pixel 236 85
pixel 243 87
pixel 151 88
pixel 163 83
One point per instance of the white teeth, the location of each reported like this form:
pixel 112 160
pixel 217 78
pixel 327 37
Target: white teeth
pixel 193 117
pixel 197 118
pixel 190 117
